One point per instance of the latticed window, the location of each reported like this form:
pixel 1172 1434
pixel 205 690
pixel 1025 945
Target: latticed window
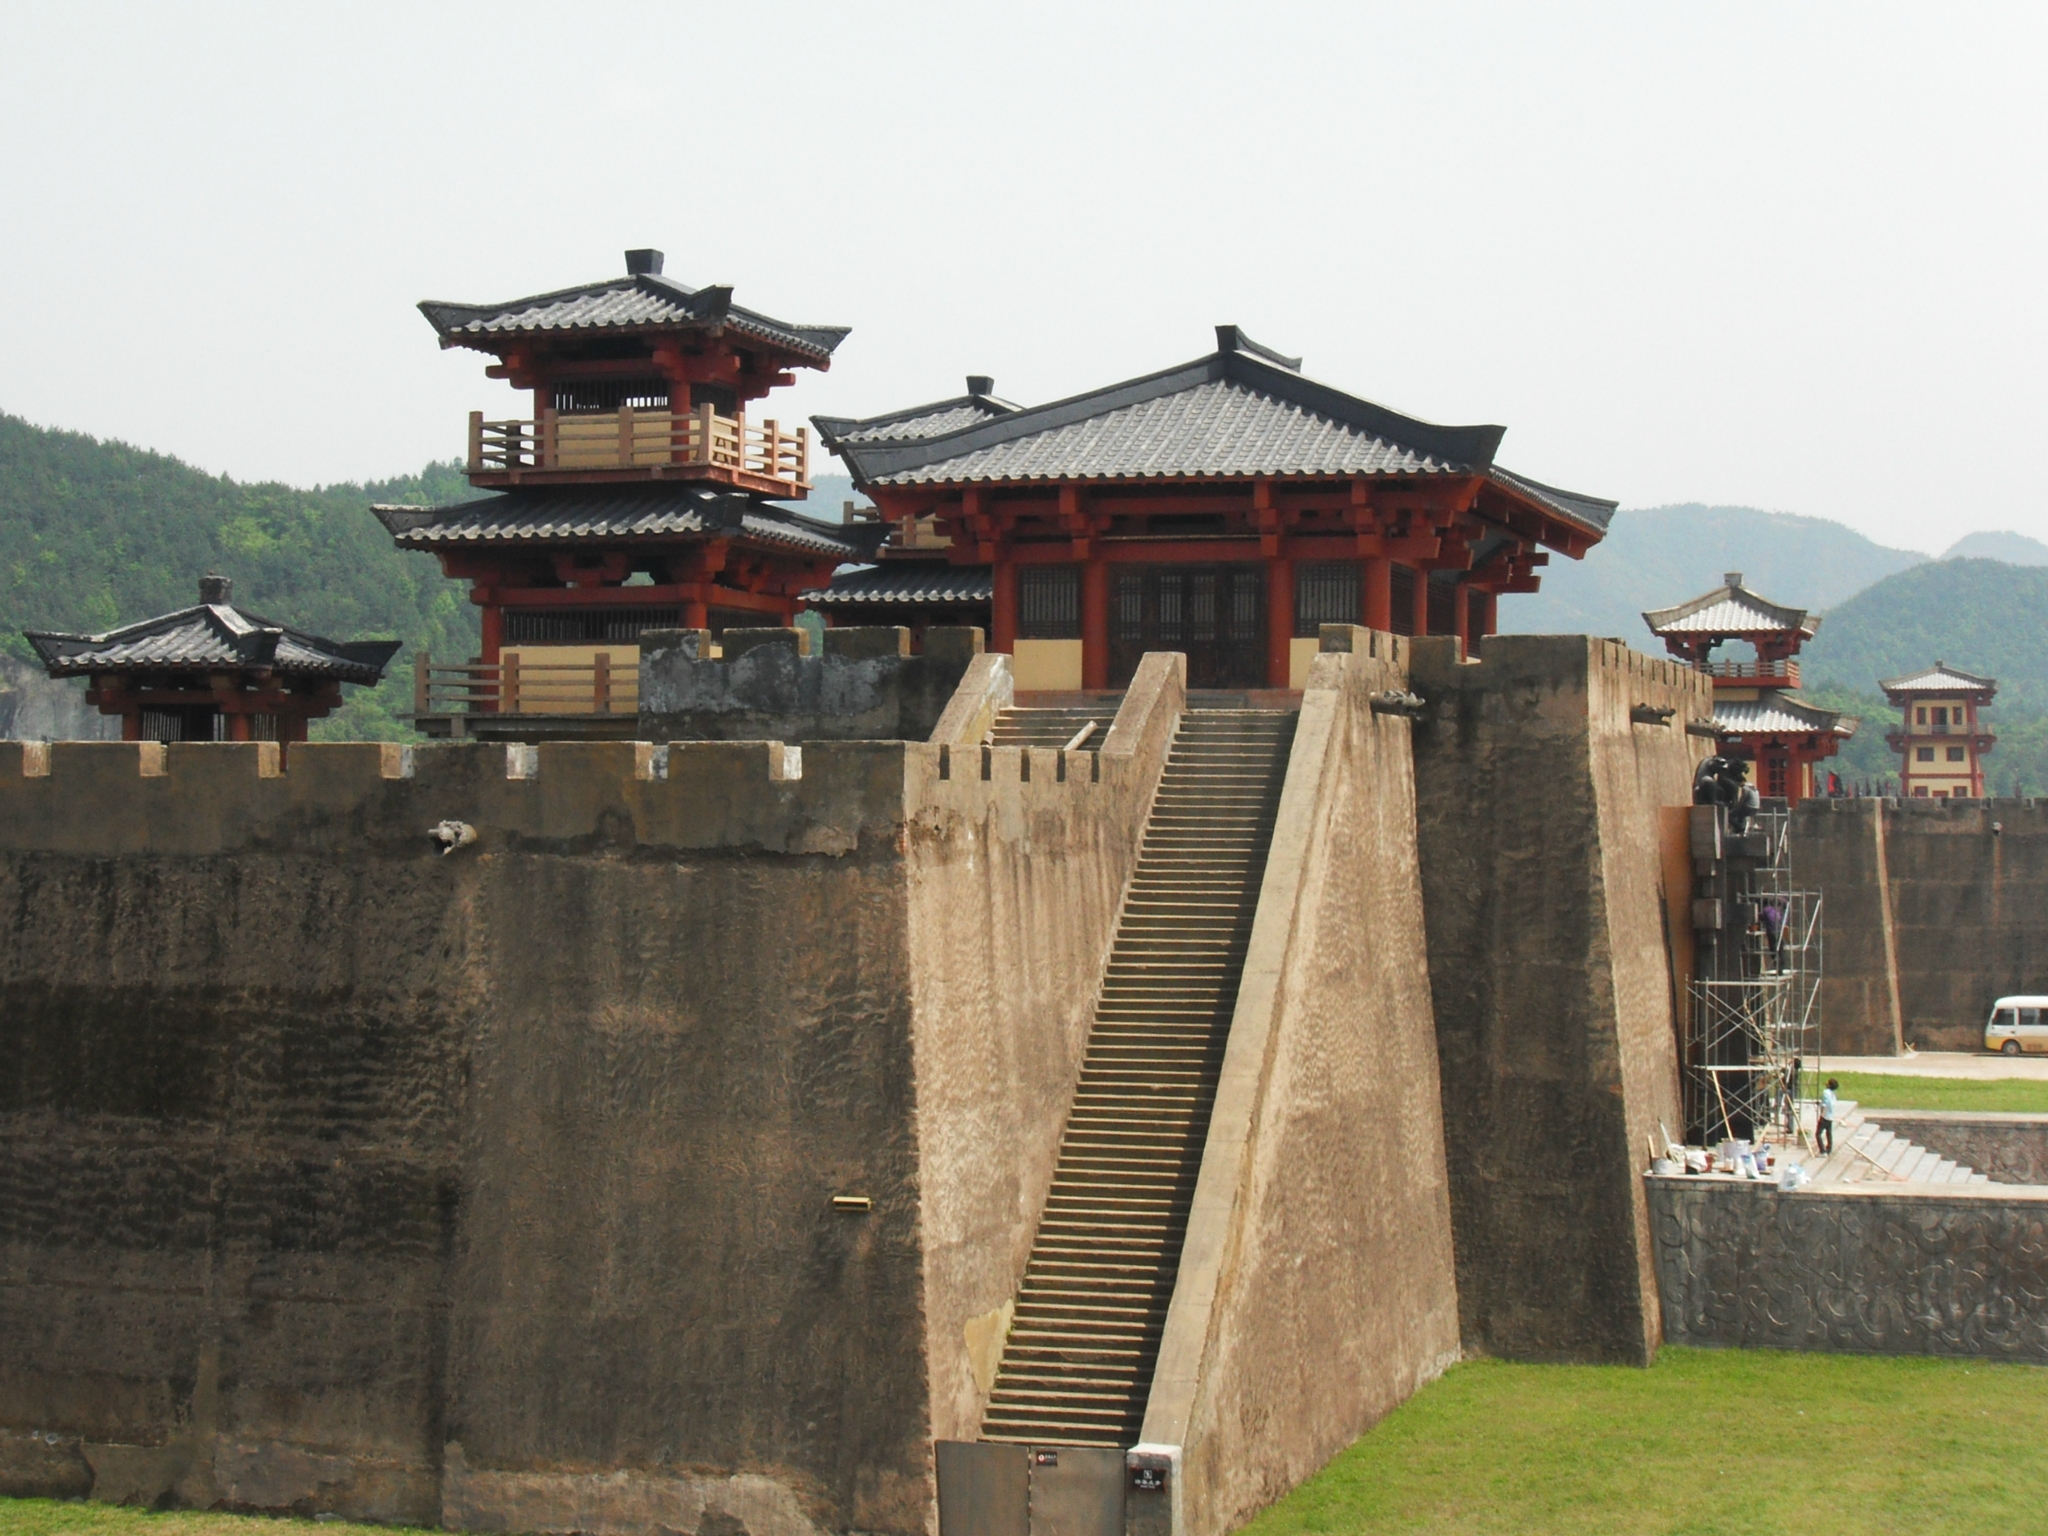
pixel 597 397
pixel 1325 592
pixel 1401 588
pixel 1049 602
pixel 585 626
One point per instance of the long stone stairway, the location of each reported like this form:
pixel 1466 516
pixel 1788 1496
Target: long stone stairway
pixel 1054 727
pixel 1077 1365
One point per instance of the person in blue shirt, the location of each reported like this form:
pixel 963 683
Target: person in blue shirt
pixel 1824 1127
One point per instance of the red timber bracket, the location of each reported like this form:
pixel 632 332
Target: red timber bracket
pixel 610 568
pixel 1080 522
pixel 1272 520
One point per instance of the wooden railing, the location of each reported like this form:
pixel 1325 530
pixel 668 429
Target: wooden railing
pixel 1777 674
pixel 516 687
pixel 630 439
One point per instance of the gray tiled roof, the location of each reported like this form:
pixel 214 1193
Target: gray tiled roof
pixel 213 635
pixel 642 302
pixel 920 421
pixel 558 514
pixel 1780 714
pixel 923 581
pixel 1238 412
pixel 1939 678
pixel 1730 609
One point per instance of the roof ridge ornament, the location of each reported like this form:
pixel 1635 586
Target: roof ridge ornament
pixel 1231 338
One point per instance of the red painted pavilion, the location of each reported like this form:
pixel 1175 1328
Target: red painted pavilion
pixel 638 494
pixel 1756 708
pixel 1226 508
pixel 212 672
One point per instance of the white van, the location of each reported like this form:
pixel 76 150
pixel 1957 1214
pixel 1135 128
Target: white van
pixel 2017 1024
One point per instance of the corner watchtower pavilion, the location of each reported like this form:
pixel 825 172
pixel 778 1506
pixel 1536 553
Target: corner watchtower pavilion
pixel 638 494
pixel 1757 712
pixel 1941 744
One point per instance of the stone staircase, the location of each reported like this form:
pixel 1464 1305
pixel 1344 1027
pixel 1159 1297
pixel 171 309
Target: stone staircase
pixel 1054 727
pixel 1077 1366
pixel 1866 1153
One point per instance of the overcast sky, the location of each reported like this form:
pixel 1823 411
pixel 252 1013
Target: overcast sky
pixel 1789 256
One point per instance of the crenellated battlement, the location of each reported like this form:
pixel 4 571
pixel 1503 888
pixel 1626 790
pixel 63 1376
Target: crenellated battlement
pixel 821 797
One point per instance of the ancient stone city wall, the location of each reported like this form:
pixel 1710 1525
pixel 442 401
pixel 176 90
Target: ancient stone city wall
pixel 1933 909
pixel 1540 805
pixel 495 1186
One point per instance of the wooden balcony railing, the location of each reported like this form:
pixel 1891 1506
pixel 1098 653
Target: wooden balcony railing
pixel 631 439
pixel 516 687
pixel 1770 674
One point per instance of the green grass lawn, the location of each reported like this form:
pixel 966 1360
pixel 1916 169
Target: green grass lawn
pixel 1705 1442
pixel 1880 1090
pixel 54 1517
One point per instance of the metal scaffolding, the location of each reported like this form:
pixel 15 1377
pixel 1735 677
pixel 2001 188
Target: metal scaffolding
pixel 1753 1025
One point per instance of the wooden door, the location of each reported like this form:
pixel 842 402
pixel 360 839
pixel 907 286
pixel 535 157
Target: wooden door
pixel 1215 614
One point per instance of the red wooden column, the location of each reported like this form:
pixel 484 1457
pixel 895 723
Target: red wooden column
pixel 493 638
pixel 1465 605
pixel 1379 594
pixel 1279 621
pixel 1095 623
pixel 1420 615
pixel 1002 616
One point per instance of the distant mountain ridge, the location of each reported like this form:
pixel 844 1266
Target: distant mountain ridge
pixel 2012 548
pixel 1654 557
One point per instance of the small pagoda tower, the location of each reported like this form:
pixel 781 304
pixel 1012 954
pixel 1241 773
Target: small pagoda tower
pixel 213 672
pixel 1757 710
pixel 1941 743
pixel 638 494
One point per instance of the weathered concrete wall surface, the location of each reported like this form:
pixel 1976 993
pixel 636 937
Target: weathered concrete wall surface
pixel 1316 1287
pixel 865 686
pixel 494 1187
pixel 1015 882
pixel 2005 1148
pixel 1539 804
pixel 1968 912
pixel 1838 848
pixel 1970 906
pixel 1961 1271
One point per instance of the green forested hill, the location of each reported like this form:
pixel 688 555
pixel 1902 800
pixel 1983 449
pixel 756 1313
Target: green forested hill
pixel 94 534
pixel 1984 616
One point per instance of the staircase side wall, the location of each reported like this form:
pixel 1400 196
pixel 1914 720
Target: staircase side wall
pixel 1539 804
pixel 1316 1288
pixel 1838 848
pixel 1014 885
pixel 1959 1271
pixel 2005 1148
pixel 488 1188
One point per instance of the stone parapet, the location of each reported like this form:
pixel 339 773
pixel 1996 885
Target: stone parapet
pixel 866 685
